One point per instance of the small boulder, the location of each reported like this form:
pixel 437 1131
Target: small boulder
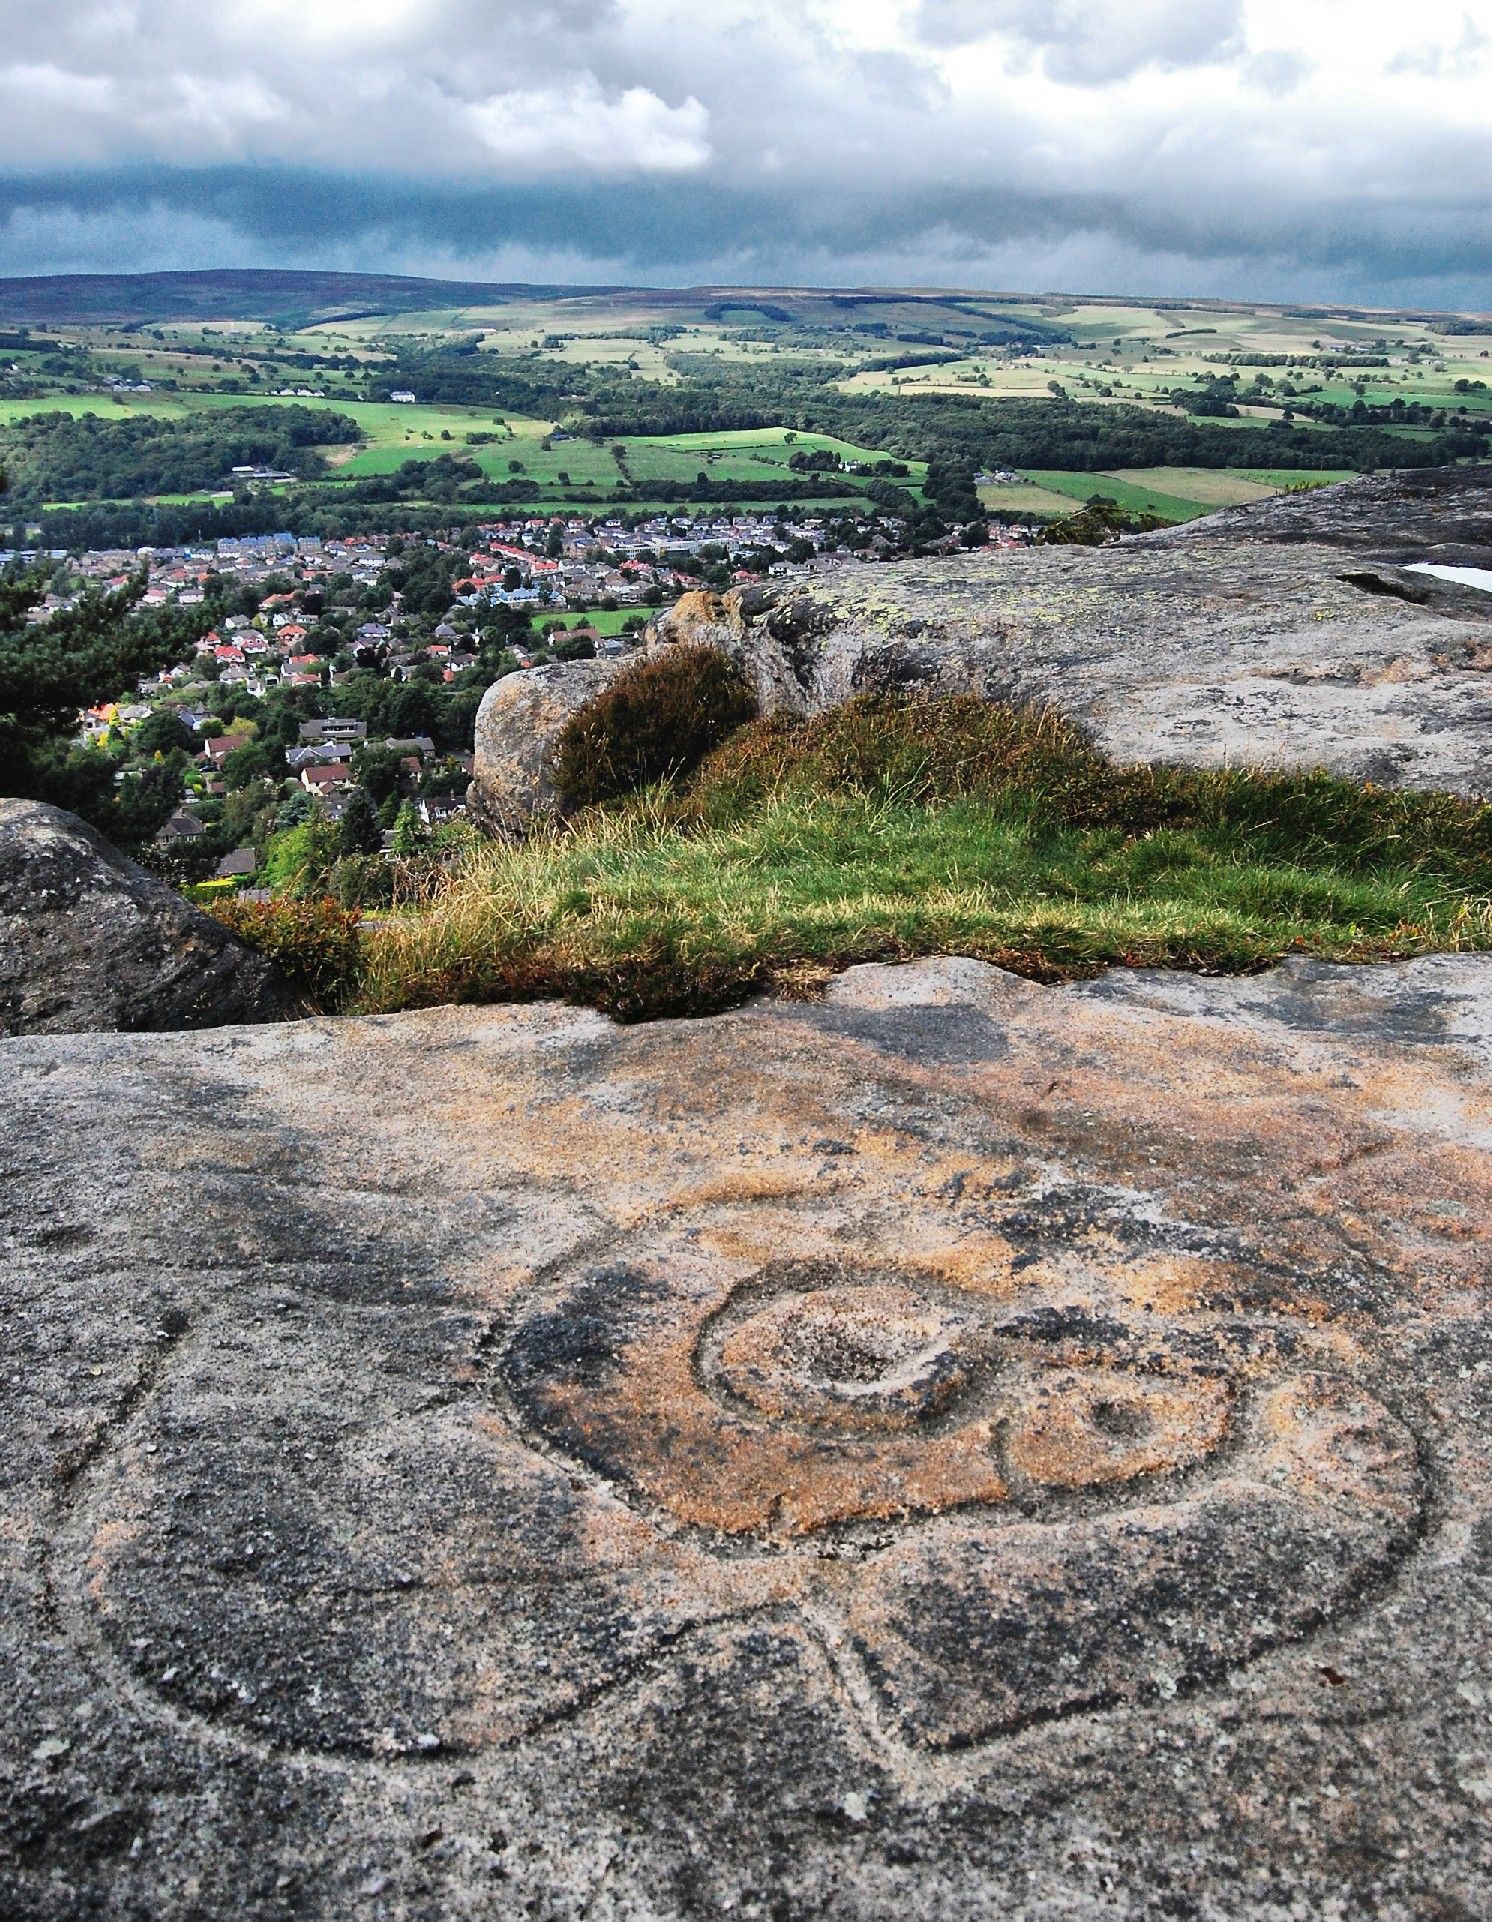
pixel 518 728
pixel 90 943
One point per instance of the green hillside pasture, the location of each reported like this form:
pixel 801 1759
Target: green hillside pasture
pixel 396 434
pixel 763 455
pixel 1280 480
pixel 1025 499
pixel 1175 493
pixel 1136 499
pixel 586 464
pixel 1424 390
pixel 1208 487
pixel 759 458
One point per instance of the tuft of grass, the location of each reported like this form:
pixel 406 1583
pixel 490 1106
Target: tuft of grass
pixel 313 943
pixel 656 721
pixel 891 829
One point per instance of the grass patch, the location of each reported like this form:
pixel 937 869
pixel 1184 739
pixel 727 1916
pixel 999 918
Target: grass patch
pixel 893 829
pixel 1134 498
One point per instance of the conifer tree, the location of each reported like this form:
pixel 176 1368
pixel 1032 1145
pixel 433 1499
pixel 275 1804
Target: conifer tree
pixel 51 670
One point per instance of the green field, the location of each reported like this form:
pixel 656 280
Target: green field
pixel 1135 499
pixel 1173 493
pixel 605 620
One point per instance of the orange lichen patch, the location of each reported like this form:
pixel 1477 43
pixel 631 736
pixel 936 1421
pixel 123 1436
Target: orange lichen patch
pixel 1175 1285
pixel 1081 1428
pixel 1334 1445
pixel 749 1186
pixel 675 1447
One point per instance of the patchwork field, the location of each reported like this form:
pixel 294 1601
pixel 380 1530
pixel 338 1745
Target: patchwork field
pixel 889 368
pixel 504 446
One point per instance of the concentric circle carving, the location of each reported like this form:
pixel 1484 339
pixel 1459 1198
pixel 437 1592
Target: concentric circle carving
pixel 1001 1514
pixel 815 1396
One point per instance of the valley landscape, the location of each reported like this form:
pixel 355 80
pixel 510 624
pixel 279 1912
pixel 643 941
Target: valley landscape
pixel 1170 410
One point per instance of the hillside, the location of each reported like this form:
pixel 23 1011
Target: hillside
pixel 1024 406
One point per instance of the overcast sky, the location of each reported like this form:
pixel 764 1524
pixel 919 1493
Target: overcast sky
pixel 1280 149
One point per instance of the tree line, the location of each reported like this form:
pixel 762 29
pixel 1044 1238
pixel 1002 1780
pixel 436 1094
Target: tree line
pixel 54 456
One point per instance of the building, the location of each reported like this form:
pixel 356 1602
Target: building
pixel 324 780
pixel 180 827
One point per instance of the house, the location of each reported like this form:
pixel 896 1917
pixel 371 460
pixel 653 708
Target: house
pixel 334 728
pixel 238 866
pixel 403 396
pixel 315 754
pixel 221 746
pixel 322 780
pixel 180 827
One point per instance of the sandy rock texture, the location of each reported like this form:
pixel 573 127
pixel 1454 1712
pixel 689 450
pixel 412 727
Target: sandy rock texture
pixel 1284 634
pixel 959 1448
pixel 89 941
pixel 518 727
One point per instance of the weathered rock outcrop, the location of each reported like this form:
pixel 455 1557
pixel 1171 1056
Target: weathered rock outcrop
pixel 90 941
pixel 1285 634
pixel 518 727
pixel 1420 514
pixel 959 1449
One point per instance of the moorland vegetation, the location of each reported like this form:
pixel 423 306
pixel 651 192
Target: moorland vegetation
pixel 896 827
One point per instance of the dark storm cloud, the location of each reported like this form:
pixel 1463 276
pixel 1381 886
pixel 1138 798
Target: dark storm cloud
pixel 1125 145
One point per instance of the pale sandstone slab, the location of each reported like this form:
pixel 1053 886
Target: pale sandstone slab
pixel 961 1448
pixel 1286 634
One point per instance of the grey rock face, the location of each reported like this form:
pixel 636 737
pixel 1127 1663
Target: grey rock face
pixel 90 941
pixel 1421 514
pixel 518 727
pixel 961 1448
pixel 1284 635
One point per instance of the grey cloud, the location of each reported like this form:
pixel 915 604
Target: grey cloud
pixel 1095 42
pixel 649 140
pixel 1134 240
pixel 1277 70
pixel 1464 55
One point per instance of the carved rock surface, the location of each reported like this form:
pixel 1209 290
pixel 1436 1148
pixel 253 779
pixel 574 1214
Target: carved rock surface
pixel 1288 633
pixel 958 1448
pixel 90 941
pixel 518 728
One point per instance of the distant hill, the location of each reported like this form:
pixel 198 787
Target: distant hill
pixel 245 294
pixel 298 299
